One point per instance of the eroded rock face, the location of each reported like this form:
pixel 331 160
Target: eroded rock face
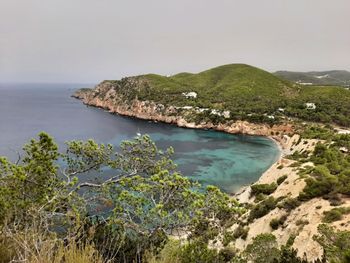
pixel 113 96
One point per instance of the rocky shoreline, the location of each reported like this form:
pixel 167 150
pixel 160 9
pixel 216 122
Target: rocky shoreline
pixel 280 134
pixel 151 111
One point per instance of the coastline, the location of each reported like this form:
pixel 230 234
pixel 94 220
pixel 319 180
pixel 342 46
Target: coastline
pixel 148 111
pixel 286 140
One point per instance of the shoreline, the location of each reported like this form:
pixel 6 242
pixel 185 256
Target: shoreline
pixel 236 128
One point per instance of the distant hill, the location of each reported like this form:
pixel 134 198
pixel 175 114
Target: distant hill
pixel 332 77
pixel 233 86
pixel 246 92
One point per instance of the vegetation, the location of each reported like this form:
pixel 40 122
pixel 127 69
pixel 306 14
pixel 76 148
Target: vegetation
pixel 262 208
pixel 247 92
pixel 281 179
pixel 52 212
pixel 275 223
pixel 289 204
pixel 331 175
pixel 332 105
pixel 336 244
pixel 263 188
pixel 264 249
pixel 121 217
pixel 333 77
pixel 335 214
pixel 318 132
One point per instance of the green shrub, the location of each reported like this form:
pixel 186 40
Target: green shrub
pixel 274 223
pixel 260 197
pixel 336 244
pixel 321 183
pixel 198 252
pixel 290 204
pixel 281 179
pixel 228 238
pixel 301 222
pixel 263 188
pixel 263 249
pixel 333 198
pixel 262 208
pixel 241 232
pixel 335 214
pixel 227 254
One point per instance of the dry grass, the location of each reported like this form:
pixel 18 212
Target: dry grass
pixel 169 254
pixel 38 248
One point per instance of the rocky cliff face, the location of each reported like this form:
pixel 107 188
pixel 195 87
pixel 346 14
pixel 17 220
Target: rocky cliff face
pixel 120 97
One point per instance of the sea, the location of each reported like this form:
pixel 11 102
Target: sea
pixel 209 157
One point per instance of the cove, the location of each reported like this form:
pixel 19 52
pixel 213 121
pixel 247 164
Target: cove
pixel 225 160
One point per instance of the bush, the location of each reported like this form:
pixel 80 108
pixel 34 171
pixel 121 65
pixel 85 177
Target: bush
pixel 260 197
pixel 262 208
pixel 274 223
pixel 241 232
pixel 320 184
pixel 289 204
pixel 281 179
pixel 227 254
pixel 335 214
pixel 263 249
pixel 263 188
pixel 334 199
pixel 169 254
pixel 336 244
pixel 301 222
pixel 198 252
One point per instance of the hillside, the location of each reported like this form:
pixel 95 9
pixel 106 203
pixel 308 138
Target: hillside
pixel 235 87
pixel 332 77
pixel 242 91
pixel 301 203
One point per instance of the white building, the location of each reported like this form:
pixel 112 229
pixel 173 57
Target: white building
pixel 226 114
pixel 187 107
pixel 310 106
pixel 190 95
pixel 344 149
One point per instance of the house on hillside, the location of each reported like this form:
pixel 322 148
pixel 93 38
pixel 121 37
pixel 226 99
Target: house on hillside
pixel 310 106
pixel 190 95
pixel 344 149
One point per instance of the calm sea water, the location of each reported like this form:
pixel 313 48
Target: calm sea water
pixel 228 161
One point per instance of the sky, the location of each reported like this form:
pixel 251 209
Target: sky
pixel 88 41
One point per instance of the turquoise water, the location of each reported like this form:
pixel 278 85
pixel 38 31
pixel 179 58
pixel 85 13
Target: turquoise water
pixel 228 161
pixel 211 157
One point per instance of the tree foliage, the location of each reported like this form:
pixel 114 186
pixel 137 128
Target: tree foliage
pixel 134 209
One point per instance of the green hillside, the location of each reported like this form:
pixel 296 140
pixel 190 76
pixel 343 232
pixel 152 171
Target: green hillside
pixel 249 93
pixel 332 77
pixel 332 102
pixel 235 87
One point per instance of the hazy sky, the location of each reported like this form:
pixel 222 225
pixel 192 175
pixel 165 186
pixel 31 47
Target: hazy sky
pixel 92 40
